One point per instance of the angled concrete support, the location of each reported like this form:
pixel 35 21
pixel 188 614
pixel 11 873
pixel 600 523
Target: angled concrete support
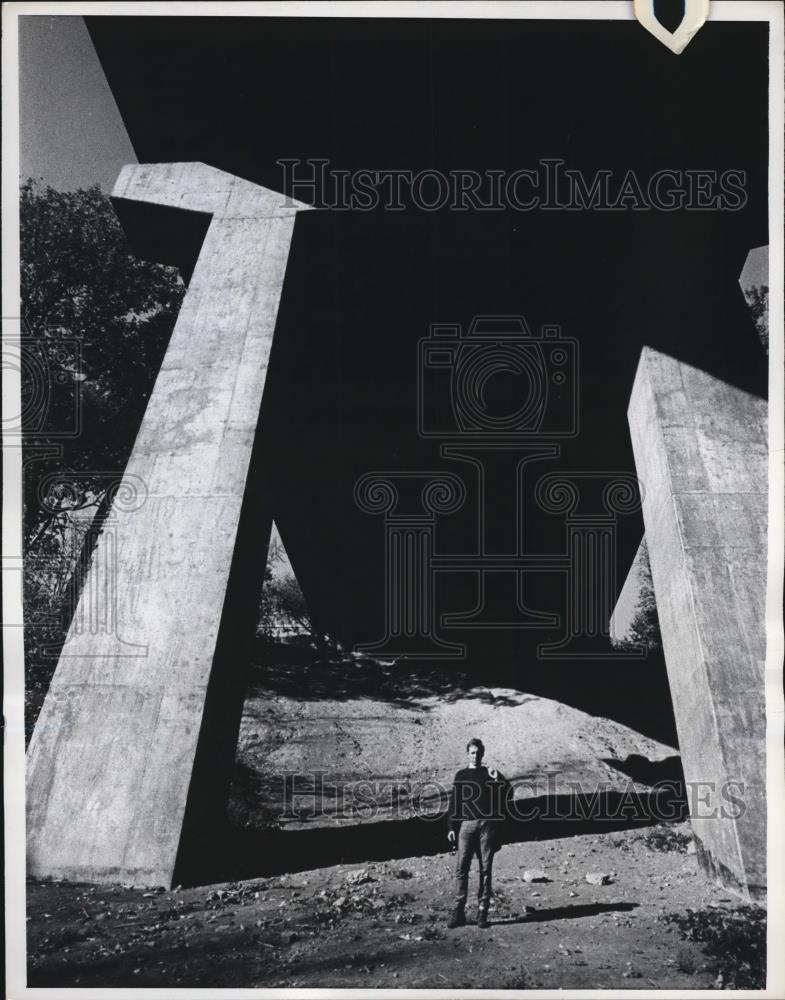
pixel 131 746
pixel 700 450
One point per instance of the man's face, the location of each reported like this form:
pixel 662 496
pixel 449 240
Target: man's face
pixel 475 755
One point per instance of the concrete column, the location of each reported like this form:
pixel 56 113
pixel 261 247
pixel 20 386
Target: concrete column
pixel 701 452
pixel 125 747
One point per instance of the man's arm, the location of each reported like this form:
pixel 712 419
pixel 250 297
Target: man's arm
pixel 502 794
pixel 453 820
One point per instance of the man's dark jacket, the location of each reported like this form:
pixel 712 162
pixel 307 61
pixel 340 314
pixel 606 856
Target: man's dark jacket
pixel 477 795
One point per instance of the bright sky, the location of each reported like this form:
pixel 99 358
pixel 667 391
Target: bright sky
pixel 71 133
pixel 756 268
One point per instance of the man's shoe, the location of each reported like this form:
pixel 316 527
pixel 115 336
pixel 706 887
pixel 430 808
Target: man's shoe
pixel 458 918
pixel 482 920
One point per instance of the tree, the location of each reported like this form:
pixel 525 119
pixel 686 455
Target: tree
pixel 96 323
pixel 284 613
pixel 644 629
pixel 757 297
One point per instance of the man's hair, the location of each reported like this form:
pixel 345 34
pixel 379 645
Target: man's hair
pixel 474 742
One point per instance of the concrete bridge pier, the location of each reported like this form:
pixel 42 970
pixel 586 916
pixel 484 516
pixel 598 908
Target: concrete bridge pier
pixel 130 754
pixel 701 452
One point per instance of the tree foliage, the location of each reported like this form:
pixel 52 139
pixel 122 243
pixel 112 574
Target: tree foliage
pixel 644 629
pixel 97 322
pixel 95 325
pixel 758 300
pixel 284 615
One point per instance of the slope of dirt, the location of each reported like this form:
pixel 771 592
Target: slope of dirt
pixel 383 759
pixel 384 925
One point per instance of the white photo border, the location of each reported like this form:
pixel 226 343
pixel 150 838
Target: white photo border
pixel 771 11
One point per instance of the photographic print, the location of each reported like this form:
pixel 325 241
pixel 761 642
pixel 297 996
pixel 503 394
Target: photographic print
pixel 393 497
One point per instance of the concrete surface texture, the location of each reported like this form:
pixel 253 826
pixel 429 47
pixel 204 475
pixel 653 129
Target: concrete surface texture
pixel 700 449
pixel 112 760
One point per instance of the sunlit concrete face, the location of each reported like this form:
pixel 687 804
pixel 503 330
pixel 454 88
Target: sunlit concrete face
pixel 701 452
pixel 111 761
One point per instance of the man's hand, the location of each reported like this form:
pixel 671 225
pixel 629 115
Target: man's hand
pixel 493 774
pixel 451 836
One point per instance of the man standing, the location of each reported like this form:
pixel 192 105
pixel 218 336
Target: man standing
pixel 478 806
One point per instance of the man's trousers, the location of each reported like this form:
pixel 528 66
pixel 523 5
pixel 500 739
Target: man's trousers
pixel 475 837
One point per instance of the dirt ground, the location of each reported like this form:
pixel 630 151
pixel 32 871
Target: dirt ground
pixel 359 896
pixel 383 924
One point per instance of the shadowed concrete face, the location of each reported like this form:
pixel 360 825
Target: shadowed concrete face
pixel 129 738
pixel 700 450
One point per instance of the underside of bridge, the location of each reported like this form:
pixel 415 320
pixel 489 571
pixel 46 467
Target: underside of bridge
pixel 649 296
